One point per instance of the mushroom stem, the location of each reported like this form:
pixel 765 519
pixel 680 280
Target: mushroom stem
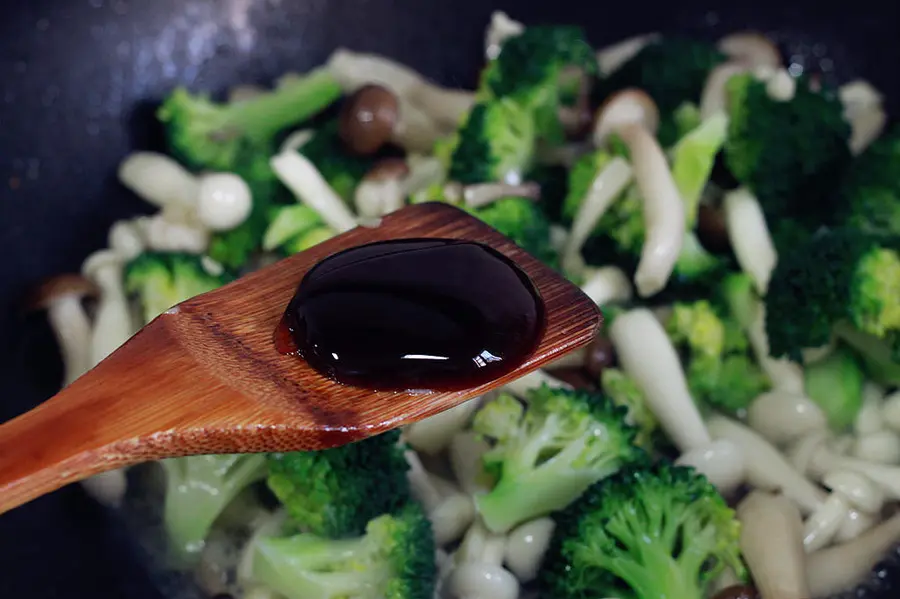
pixel 606 285
pixel 500 29
pixel 749 236
pixel 73 334
pixel 721 462
pixel 751 48
pixel 863 110
pixel 433 434
pixel 450 513
pixel 663 209
pixel 605 188
pixel 647 356
pixel 161 181
pixel 784 374
pixel 781 416
pixel 772 545
pixel 839 568
pixel 612 57
pixel 113 323
pixel 714 98
pixel 304 180
pixel 526 545
pixel 466 451
pixel 533 380
pixel 767 469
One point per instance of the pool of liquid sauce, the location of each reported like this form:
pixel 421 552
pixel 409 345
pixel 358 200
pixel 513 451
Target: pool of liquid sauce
pixel 439 314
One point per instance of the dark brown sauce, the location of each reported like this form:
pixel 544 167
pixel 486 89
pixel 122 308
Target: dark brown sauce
pixel 438 314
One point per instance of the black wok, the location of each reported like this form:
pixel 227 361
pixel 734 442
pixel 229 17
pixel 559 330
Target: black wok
pixel 78 81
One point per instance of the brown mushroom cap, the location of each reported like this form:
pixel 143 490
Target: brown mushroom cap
pixel 386 169
pixel 46 293
pixel 625 107
pixel 599 355
pixel 368 118
pixel 752 48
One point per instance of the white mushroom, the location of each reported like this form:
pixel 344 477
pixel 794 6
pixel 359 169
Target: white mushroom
pixel 855 524
pixel 858 491
pixel 891 411
pixel 822 526
pixel 783 373
pixel 864 111
pixel 163 234
pixel 224 201
pixel 125 239
pixel 161 181
pixel 772 545
pixel 882 447
pixel 721 461
pixel 478 573
pixel 450 514
pixel 533 380
pixel 648 357
pixel 113 322
pixel 781 86
pixel 750 48
pixel 306 182
pixel 480 545
pixel 869 419
pixel 500 29
pixel 433 434
pixel 714 98
pixel 823 458
pixel 839 568
pixel 612 57
pixel 749 236
pixel 466 451
pixel 606 187
pixel 767 469
pixel 633 116
pixel 526 545
pixel 381 191
pixel 781 416
pixel 61 297
pixel 608 284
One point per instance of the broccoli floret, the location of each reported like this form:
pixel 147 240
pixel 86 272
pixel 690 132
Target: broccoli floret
pixel 876 354
pixel 870 192
pixel 530 70
pixel 554 184
pixel 836 383
pixel 719 368
pixel 394 559
pixel 646 533
pixel 198 489
pixel 623 391
pixel 673 72
pixel 687 118
pixel 837 275
pixel 294 228
pixel 522 221
pixel 334 492
pixel 162 279
pixel 581 178
pixel 790 154
pixel 547 455
pixel 496 143
pixel 341 170
pixel 223 137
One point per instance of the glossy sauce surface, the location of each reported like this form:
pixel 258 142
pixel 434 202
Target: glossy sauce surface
pixel 437 314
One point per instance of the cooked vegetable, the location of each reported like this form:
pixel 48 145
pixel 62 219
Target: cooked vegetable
pixel 835 383
pixel 546 454
pixel 870 192
pixel 394 559
pixel 648 532
pixel 335 492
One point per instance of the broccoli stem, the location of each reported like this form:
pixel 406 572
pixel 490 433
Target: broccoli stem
pixel 291 103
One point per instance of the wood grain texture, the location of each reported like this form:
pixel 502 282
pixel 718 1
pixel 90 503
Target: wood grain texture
pixel 205 377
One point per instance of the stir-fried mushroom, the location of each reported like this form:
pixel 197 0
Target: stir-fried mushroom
pixel 305 181
pixel 479 573
pixel 863 110
pixel 606 285
pixel 62 298
pixel 772 545
pixel 633 116
pixel 433 434
pixel 781 416
pixel 478 195
pixel 751 48
pixel 610 58
pixel 381 191
pixel 750 238
pixel 450 512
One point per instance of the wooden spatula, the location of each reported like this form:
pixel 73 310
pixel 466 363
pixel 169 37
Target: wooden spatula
pixel 205 377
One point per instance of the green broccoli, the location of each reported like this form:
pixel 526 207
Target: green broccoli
pixel 581 178
pixel 647 533
pixel 394 559
pixel 334 492
pixel 522 220
pixel 718 365
pixel 546 455
pixel 198 489
pixel 870 192
pixel 162 279
pixel 876 355
pixel 673 72
pixel 531 69
pixel 341 170
pixel 837 275
pixel 835 383
pixel 686 118
pixel 496 143
pixel 623 391
pixel 294 228
pixel 790 154
pixel 240 138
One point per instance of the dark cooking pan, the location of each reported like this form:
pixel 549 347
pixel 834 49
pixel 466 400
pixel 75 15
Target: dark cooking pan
pixel 79 78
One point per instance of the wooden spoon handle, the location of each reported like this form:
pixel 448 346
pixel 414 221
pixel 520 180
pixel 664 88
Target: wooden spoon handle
pixel 110 417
